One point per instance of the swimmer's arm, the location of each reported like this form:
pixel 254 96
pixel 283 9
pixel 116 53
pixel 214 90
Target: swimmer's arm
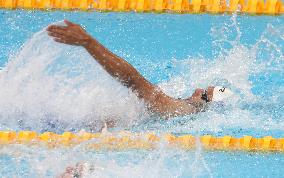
pixel 117 67
pixel 171 107
pixel 157 100
pixel 120 69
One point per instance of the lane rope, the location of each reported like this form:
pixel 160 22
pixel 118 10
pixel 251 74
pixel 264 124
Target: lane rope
pixel 260 7
pixel 127 140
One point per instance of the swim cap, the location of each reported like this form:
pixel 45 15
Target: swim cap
pixel 221 93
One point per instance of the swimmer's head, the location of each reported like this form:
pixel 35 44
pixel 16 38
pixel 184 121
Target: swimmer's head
pixel 214 94
pixel 221 93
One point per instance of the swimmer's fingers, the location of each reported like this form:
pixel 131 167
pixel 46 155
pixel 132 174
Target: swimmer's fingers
pixel 70 33
pixel 68 23
pixel 66 41
pixel 60 31
pixel 55 35
pixel 63 38
pixel 56 27
pixel 63 31
pixel 71 24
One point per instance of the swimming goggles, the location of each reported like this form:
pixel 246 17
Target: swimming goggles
pixel 204 96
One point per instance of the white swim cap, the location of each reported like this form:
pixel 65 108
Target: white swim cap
pixel 221 93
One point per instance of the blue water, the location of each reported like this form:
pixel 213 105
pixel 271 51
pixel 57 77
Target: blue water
pixel 176 52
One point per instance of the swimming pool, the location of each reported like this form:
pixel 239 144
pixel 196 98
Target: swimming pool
pixel 48 86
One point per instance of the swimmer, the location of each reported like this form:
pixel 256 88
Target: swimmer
pixel 157 101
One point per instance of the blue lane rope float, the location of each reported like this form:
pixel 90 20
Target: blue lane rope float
pixel 127 140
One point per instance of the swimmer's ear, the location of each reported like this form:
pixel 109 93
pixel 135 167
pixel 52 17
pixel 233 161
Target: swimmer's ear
pixel 68 23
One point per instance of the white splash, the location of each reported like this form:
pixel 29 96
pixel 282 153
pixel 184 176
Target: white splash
pixel 47 83
pixel 232 68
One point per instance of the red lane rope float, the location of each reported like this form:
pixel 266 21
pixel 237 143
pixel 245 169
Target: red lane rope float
pixel 127 140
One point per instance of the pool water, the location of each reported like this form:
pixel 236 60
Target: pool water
pixel 47 86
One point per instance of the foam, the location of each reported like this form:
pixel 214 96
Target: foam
pixel 48 83
pixel 232 67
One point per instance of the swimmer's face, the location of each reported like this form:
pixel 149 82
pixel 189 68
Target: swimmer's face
pixel 201 95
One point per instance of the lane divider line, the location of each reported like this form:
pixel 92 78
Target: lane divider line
pixel 128 140
pixel 251 7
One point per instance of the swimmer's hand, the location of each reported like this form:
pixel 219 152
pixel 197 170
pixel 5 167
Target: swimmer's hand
pixel 72 34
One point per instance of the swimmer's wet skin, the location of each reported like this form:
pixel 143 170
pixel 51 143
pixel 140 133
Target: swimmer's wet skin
pixel 156 100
